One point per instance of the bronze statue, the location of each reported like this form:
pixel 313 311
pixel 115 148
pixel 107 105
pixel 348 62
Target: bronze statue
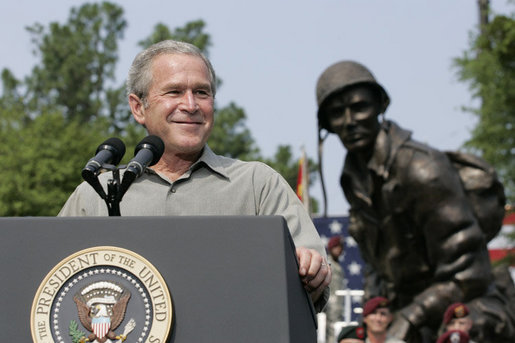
pixel 410 215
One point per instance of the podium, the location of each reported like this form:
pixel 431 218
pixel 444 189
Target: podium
pixel 230 279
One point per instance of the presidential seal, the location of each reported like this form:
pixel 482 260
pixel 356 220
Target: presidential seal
pixel 102 294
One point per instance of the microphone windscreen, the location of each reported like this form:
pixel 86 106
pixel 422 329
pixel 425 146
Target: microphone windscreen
pixel 153 143
pixel 116 146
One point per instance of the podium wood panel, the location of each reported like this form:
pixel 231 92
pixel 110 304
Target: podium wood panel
pixel 232 279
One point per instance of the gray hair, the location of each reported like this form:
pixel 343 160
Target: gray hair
pixel 140 75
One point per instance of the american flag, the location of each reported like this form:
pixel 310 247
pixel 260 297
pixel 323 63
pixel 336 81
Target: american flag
pixel 350 260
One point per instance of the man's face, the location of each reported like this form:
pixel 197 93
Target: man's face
pixel 336 251
pixel 377 322
pixel 179 105
pixel 462 324
pixel 353 115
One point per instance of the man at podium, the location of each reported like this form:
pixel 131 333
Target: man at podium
pixel 171 87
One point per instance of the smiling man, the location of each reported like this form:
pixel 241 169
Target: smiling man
pixel 376 319
pixel 171 90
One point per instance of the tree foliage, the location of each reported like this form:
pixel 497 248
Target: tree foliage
pixel 77 60
pixel 284 162
pixel 489 68
pixel 230 136
pixel 53 120
pixel 42 160
pixel 192 32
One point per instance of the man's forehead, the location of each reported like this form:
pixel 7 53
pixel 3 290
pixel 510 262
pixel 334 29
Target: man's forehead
pixel 382 310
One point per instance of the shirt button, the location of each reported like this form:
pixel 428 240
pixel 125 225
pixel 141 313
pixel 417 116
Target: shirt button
pixel 172 190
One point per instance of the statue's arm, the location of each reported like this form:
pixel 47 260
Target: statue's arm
pixel 454 241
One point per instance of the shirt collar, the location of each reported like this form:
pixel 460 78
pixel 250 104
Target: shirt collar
pixel 207 159
pixel 210 160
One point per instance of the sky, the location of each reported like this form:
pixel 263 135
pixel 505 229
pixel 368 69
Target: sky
pixel 270 53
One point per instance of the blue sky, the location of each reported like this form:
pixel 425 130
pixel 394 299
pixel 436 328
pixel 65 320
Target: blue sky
pixel 271 53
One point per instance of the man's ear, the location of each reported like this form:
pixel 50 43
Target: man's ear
pixel 137 108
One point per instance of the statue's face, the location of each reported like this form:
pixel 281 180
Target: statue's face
pixel 353 115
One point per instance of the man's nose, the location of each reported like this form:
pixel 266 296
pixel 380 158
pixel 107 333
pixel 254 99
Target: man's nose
pixel 188 102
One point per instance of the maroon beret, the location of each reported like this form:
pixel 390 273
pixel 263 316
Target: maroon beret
pixel 334 241
pixel 453 336
pixel 373 304
pixel 456 310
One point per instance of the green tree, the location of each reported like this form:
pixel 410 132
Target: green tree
pixel 230 136
pixel 77 62
pixel 284 162
pixel 489 68
pixel 64 106
pixel 192 32
pixel 42 160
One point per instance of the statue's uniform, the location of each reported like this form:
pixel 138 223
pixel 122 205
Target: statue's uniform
pixel 419 236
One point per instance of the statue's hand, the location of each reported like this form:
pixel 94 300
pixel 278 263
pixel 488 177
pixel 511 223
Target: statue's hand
pixel 400 328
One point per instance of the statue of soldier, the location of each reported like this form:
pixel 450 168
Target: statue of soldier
pixel 409 214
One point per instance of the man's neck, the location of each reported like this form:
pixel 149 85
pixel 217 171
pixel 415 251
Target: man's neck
pixel 173 166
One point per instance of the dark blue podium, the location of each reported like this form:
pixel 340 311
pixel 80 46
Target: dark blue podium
pixel 231 279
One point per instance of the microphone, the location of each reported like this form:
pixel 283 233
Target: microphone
pixel 110 151
pixel 147 153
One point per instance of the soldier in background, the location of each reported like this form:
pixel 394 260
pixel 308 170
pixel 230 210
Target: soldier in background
pixel 414 224
pixel 457 317
pixel 377 317
pixel 334 307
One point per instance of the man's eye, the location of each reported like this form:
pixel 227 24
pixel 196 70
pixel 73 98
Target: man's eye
pixel 203 93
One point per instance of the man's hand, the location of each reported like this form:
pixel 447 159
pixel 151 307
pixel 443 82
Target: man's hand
pixel 314 272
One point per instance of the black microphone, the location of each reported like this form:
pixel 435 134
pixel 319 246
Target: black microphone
pixel 147 153
pixel 110 151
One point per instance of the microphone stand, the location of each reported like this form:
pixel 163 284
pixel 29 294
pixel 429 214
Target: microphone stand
pixel 113 188
pixel 113 196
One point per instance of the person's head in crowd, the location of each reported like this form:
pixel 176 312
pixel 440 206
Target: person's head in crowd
pixel 454 336
pixel 456 317
pixel 335 247
pixel 352 334
pixel 377 316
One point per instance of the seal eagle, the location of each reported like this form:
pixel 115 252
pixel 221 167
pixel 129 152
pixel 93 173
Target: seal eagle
pixel 101 308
